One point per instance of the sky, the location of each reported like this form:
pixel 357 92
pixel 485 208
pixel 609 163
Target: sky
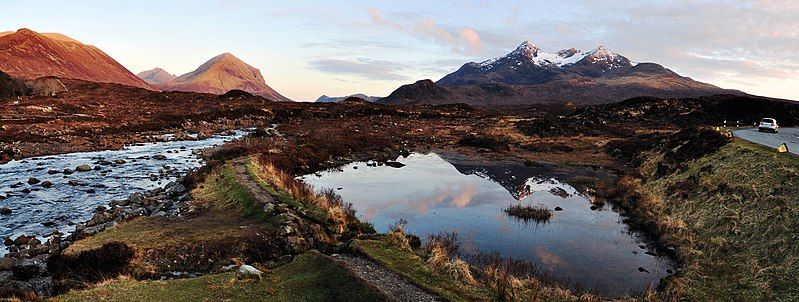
pixel 308 48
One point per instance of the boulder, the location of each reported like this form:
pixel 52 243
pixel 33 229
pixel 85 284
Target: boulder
pixel 33 181
pixel 5 211
pixel 159 157
pixel 47 184
pixel 21 240
pixel 248 272
pixel 83 168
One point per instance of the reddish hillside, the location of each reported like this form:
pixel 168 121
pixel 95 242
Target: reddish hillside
pixel 28 55
pixel 156 76
pixel 221 74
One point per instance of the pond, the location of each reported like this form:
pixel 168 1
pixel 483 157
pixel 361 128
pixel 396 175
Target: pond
pixel 584 247
pixel 40 210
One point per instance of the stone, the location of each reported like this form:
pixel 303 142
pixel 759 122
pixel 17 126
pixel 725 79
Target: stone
pixel 47 184
pixel 68 171
pixel 5 211
pixel 34 241
pixel 33 181
pixel 643 270
pixel 159 157
pixel 16 185
pixel 395 164
pixel 83 168
pixel 26 190
pixel 558 209
pixel 120 161
pixel 51 171
pixel 75 182
pixel 248 272
pixel 8 242
pixel 21 240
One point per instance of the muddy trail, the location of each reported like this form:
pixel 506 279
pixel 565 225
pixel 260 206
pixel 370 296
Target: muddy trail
pixel 386 281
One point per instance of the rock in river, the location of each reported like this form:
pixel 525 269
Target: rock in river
pixel 83 168
pixel 5 211
pixel 33 181
pixel 159 157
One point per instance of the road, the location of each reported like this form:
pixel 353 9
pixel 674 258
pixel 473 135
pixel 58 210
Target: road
pixel 789 136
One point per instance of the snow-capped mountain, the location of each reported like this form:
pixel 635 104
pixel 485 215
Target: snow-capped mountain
pixel 529 74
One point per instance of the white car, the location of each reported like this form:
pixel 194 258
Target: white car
pixel 768 125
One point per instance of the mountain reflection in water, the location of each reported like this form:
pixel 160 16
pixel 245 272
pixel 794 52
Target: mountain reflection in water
pixel 451 192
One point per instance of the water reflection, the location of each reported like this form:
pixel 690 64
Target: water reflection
pixel 449 192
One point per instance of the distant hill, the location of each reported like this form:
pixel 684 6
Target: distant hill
pixel 156 76
pixel 221 74
pixel 26 54
pixel 336 99
pixel 529 75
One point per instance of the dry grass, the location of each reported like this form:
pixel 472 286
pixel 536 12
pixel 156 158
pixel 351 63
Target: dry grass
pixel 529 213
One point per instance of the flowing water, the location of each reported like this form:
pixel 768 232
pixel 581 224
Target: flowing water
pixel 39 211
pixel 584 247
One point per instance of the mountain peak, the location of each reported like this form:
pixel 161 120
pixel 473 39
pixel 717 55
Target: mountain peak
pixel 29 55
pixel 221 74
pixel 527 48
pixel 156 76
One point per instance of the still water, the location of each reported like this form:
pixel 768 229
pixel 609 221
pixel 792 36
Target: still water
pixel 435 193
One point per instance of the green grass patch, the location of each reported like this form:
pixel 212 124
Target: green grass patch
pixel 413 268
pixel 310 277
pixel 741 206
pixel 221 191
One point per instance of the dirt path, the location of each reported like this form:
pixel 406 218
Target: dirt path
pixel 386 281
pixel 255 190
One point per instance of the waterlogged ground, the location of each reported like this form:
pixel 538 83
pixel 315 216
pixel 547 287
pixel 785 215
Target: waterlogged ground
pixel 587 248
pixel 37 210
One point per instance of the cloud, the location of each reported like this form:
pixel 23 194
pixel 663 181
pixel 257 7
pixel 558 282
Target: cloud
pixel 461 40
pixel 364 68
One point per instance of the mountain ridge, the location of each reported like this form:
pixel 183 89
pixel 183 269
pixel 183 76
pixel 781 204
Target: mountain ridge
pixel 221 74
pixel 528 75
pixel 26 54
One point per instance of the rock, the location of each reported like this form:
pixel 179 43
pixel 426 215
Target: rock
pixel 16 185
pixel 75 182
pixel 558 209
pixel 51 171
pixel 8 242
pixel 248 272
pixel 47 184
pixel 395 164
pixel 21 240
pixel 33 181
pixel 120 161
pixel 26 190
pixel 269 208
pixel 560 192
pixel 68 171
pixel 5 211
pixel 593 208
pixel 103 162
pixel 83 168
pixel 643 270
pixel 25 270
pixel 159 157
pixel 34 241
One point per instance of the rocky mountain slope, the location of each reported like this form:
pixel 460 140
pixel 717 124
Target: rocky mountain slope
pixel 156 76
pixel 529 75
pixel 221 74
pixel 336 99
pixel 26 54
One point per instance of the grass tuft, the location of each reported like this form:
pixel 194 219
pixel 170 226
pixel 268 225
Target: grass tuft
pixel 529 213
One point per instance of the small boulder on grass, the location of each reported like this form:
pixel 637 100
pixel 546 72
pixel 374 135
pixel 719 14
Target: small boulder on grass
pixel 528 213
pixel 249 272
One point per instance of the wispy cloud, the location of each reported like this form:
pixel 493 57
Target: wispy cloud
pixel 364 68
pixel 461 40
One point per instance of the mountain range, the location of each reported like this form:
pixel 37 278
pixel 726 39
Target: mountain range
pixel 336 99
pixel 28 55
pixel 530 75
